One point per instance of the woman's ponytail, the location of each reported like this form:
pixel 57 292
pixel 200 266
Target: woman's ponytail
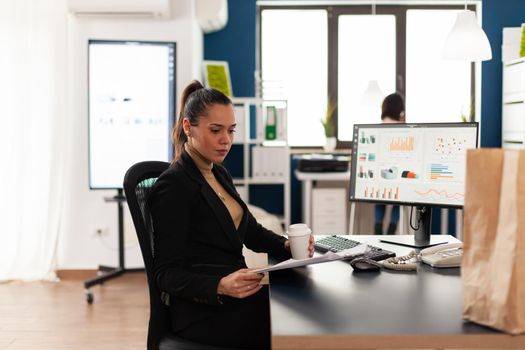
pixel 178 136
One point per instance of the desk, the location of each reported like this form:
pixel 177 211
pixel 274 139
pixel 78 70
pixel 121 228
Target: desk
pixel 327 306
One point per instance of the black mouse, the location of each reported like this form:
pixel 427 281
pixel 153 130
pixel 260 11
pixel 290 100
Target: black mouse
pixel 365 264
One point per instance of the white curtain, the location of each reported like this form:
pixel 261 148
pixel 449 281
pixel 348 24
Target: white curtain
pixel 33 72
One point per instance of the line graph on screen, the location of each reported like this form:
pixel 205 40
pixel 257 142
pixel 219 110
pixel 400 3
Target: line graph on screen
pixel 440 194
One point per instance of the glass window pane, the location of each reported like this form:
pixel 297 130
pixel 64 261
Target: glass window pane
pixel 294 61
pixel 364 57
pixel 437 90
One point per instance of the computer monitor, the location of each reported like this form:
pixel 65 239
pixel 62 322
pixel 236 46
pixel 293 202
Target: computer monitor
pixel 421 165
pixel 131 106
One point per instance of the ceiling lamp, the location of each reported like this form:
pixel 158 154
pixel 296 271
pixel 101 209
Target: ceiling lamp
pixel 467 41
pixel 373 96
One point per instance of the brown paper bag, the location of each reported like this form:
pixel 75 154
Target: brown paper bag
pixel 493 264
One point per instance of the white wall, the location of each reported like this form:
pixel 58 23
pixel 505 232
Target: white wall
pixel 85 210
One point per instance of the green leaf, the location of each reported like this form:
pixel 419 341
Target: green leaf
pixel 327 121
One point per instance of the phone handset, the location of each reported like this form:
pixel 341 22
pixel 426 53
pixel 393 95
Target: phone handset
pixel 443 255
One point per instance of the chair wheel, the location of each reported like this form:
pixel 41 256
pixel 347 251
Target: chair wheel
pixel 89 297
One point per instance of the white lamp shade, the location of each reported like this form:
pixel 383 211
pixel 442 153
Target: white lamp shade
pixel 373 96
pixel 212 15
pixel 467 41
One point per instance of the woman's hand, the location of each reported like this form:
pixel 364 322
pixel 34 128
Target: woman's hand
pixel 310 245
pixel 240 284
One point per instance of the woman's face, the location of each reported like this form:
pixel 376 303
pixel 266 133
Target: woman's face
pixel 213 136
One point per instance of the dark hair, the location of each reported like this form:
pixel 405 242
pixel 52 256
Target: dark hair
pixel 393 107
pixel 195 101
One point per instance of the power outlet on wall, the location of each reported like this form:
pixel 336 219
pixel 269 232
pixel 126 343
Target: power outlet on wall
pixel 101 231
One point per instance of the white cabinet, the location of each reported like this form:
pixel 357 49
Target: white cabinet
pixel 513 100
pixel 329 211
pixel 266 156
pixel 331 192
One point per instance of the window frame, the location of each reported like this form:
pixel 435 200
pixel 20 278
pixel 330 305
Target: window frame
pixel 333 13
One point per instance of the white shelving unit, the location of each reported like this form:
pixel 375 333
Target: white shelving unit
pixel 513 101
pixel 265 162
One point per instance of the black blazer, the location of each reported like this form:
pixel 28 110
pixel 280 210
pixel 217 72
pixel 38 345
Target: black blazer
pixel 196 243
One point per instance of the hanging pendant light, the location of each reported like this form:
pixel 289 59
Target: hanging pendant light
pixel 373 96
pixel 467 41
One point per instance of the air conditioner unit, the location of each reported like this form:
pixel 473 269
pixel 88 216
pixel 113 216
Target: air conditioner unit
pixel 156 9
pixel 212 15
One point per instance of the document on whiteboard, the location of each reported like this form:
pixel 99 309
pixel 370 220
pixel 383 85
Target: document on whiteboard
pixel 329 256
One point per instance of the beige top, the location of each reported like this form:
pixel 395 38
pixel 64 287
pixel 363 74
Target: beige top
pixel 205 167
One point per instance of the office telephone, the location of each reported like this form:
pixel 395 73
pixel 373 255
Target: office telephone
pixel 443 255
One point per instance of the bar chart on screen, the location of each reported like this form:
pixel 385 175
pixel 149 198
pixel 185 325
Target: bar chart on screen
pixel 445 172
pixel 390 193
pixel 440 171
pixel 402 144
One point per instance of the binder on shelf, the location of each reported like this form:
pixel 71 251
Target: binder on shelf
pixel 259 124
pixel 282 132
pixel 280 156
pixel 272 162
pixel 256 163
pixel 269 163
pixel 274 123
pixel 240 131
pixel 271 123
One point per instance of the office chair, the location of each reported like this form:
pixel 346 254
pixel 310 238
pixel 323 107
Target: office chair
pixel 137 184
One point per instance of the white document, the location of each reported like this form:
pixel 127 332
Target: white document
pixel 329 256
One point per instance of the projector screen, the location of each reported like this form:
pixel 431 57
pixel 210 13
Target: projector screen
pixel 131 97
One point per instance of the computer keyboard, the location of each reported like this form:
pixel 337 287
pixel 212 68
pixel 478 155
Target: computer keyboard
pixel 336 243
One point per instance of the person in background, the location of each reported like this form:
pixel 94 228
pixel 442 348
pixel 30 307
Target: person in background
pixel 200 226
pixel 392 111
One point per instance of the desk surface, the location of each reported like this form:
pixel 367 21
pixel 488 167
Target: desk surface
pixel 328 306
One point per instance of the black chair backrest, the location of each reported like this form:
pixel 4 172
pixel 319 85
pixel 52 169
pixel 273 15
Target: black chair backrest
pixel 137 185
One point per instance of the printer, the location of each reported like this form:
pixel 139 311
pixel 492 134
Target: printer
pixel 322 163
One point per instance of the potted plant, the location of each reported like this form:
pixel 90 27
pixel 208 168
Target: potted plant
pixel 469 116
pixel 328 126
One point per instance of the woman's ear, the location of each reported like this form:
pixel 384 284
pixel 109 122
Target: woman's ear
pixel 186 126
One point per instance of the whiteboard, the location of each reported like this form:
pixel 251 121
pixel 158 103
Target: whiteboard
pixel 131 101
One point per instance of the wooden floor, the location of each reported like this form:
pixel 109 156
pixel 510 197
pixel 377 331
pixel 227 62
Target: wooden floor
pixel 55 316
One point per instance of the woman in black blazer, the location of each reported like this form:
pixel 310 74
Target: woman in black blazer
pixel 200 226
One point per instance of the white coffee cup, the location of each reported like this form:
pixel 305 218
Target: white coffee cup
pixel 299 236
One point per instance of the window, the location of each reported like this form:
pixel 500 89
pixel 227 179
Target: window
pixel 337 50
pixel 430 80
pixel 363 58
pixel 296 72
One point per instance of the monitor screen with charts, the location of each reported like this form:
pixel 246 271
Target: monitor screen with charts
pixel 422 165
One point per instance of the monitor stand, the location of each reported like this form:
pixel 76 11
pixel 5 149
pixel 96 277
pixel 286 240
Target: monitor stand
pixel 422 237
